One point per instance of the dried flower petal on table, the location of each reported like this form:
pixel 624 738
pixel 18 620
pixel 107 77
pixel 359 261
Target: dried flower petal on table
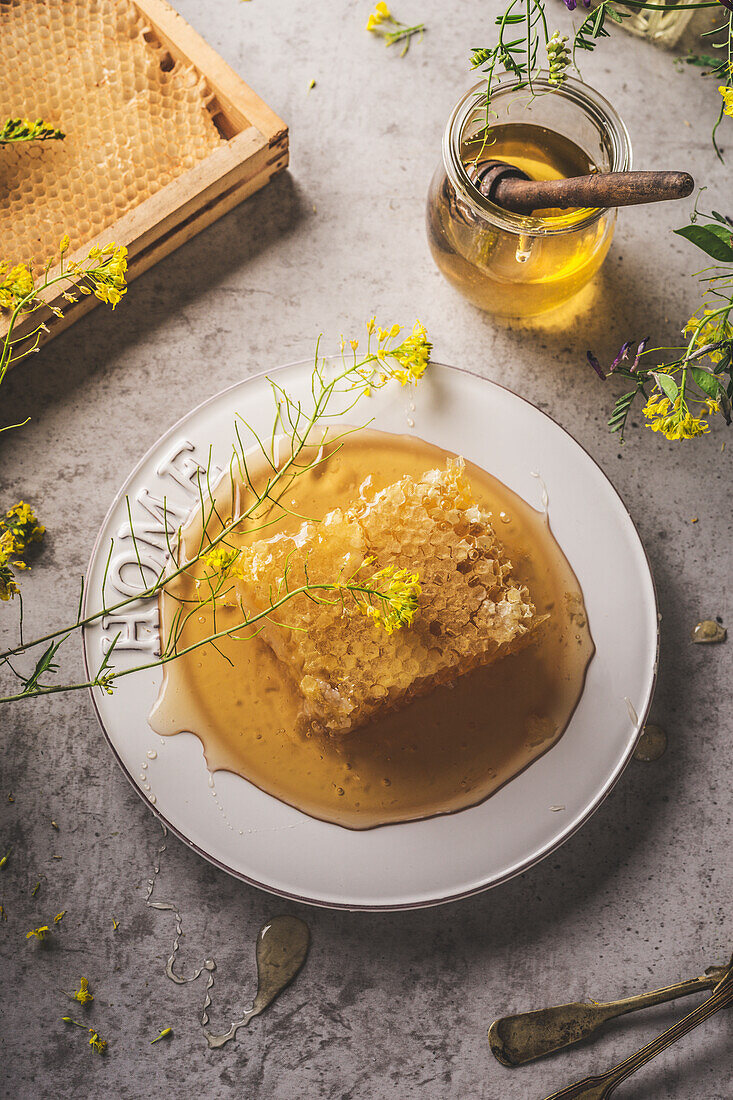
pixel 38 933
pixel 83 994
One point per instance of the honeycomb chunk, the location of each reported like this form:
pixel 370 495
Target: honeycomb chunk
pixel 470 612
pixel 135 119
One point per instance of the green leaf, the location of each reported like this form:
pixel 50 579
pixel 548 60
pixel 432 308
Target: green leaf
pixel 715 240
pixel 667 385
pixel 705 61
pixel 617 420
pixel 707 382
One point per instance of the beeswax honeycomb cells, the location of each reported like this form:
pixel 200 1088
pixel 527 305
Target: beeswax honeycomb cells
pixel 134 120
pixel 348 670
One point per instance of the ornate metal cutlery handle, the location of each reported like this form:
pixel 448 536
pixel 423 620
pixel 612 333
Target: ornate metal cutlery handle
pixel 601 1087
pixel 517 1039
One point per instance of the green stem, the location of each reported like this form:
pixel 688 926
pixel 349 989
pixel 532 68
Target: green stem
pixel 165 658
pixel 321 402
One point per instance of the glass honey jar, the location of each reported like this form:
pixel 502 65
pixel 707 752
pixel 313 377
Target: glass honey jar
pixel 517 265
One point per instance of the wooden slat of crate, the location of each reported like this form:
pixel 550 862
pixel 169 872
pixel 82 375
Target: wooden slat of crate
pixel 257 150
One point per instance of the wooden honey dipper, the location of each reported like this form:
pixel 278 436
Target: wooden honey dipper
pixel 514 190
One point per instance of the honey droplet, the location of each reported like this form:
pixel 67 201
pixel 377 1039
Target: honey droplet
pixel 652 744
pixel 708 632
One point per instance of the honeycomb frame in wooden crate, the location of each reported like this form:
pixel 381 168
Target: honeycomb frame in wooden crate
pixel 240 143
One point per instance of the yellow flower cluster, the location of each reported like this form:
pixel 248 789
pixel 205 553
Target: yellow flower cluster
pixel 380 15
pixel 22 129
pixel 108 276
pixel 727 94
pixel 220 564
pixel 16 283
pixel 709 331
pixel 411 356
pixel 396 604
pixel 674 420
pixel 19 529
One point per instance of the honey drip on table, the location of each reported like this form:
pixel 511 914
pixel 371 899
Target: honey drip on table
pixel 443 752
pixel 281 950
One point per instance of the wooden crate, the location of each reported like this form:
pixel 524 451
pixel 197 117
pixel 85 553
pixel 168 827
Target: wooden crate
pixel 255 149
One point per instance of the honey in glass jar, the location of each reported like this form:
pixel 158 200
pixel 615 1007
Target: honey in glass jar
pixel 517 265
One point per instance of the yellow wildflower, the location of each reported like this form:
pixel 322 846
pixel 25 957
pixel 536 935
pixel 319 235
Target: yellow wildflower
pixel 96 1042
pixel 39 933
pixel 380 14
pixel 709 329
pixel 163 1035
pixel 220 563
pixel 22 129
pixel 83 994
pixel 674 421
pixel 22 527
pixel 15 284
pixel 59 916
pixel 8 583
pixel 396 604
pixel 64 244
pixel 19 528
pixel 413 355
pixel 108 276
pixel 727 94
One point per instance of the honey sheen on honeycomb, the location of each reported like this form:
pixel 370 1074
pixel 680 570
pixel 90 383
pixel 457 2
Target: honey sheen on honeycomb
pixel 134 120
pixel 348 671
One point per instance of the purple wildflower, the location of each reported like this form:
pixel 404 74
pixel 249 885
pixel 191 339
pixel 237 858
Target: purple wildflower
pixel 623 354
pixel 572 4
pixel 639 353
pixel 596 365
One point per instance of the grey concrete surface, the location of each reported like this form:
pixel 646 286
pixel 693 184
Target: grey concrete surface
pixel 389 1007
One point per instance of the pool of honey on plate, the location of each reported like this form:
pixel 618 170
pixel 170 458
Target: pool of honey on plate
pixel 441 753
pixel 543 260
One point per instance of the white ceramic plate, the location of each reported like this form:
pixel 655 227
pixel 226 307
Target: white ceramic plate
pixel 271 845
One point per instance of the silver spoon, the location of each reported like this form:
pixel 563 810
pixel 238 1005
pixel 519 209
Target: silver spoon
pixel 517 1039
pixel 282 946
pixel 600 1087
